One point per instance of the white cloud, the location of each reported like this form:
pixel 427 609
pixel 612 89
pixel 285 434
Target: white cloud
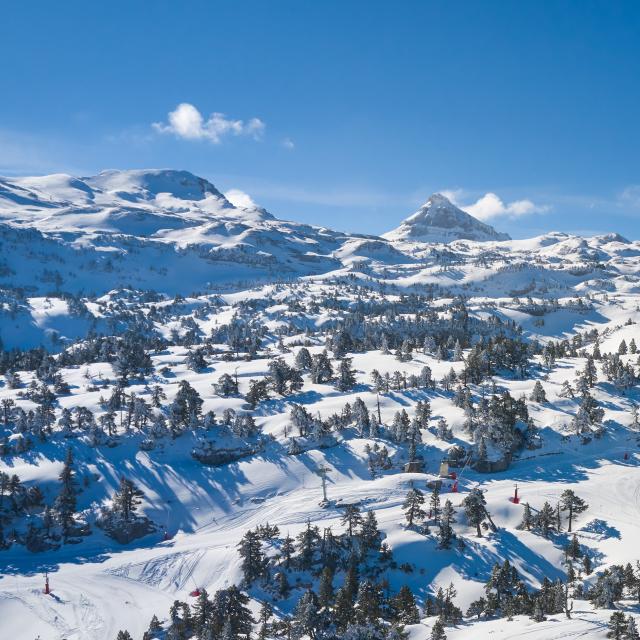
pixel 630 196
pixel 188 123
pixel 288 143
pixel 240 199
pixel 491 205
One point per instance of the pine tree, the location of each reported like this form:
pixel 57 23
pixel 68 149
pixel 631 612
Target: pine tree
pixel 546 519
pixel 325 588
pixel 538 611
pixel 538 394
pixel 282 584
pixel 527 518
pixel 202 612
pixel 186 408
pixel 253 560
pixel 635 418
pixel 352 519
pixel 617 626
pixel 65 503
pixel 447 519
pixel 475 509
pixel 369 532
pixel 286 550
pixel 567 390
pixel 437 631
pixel 346 375
pixel 266 612
pixel 124 635
pixel 321 369
pixel 226 386
pixel 343 613
pixel 434 503
pixel 631 630
pixel 154 629
pixel 477 608
pixel 306 616
pixel 196 360
pixel 351 580
pixel 573 548
pixel 368 602
pixel 413 506
pixel 231 618
pixel 308 542
pixel 126 500
pixel 303 359
pixel 404 607
pixel 361 416
pixel 571 503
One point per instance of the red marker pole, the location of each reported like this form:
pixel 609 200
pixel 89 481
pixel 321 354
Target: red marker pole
pixel 46 584
pixel 516 499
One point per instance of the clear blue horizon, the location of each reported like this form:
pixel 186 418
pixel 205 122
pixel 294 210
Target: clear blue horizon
pixel 344 114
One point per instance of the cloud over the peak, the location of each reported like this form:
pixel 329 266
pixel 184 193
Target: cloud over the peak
pixel 490 205
pixel 240 199
pixel 186 122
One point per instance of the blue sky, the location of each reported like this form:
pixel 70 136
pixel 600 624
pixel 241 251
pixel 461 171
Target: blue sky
pixel 347 113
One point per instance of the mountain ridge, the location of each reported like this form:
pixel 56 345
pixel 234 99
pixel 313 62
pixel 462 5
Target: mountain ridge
pixel 439 220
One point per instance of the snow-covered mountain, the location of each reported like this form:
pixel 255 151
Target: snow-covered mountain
pixel 124 228
pixel 127 227
pixel 223 360
pixel 439 220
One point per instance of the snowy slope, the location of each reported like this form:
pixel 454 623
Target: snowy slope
pixel 165 254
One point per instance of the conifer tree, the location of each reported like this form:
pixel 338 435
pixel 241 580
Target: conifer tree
pixel 368 603
pixel 253 560
pixel 307 619
pixel 369 532
pixel 303 359
pixel 343 613
pixel 437 631
pixel 202 612
pixel 126 500
pixel 475 509
pixel 266 612
pixel 351 519
pixel 527 518
pixel 65 504
pixel 405 610
pixel 546 519
pixel 538 394
pixel 572 504
pixel 447 519
pixel 631 630
pixel 413 506
pixel 325 588
pixel 346 375
pixel 617 626
pixel 434 503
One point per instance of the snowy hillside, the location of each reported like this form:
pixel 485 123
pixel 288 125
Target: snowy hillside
pixel 216 424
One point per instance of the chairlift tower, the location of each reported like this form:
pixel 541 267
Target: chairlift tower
pixel 322 472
